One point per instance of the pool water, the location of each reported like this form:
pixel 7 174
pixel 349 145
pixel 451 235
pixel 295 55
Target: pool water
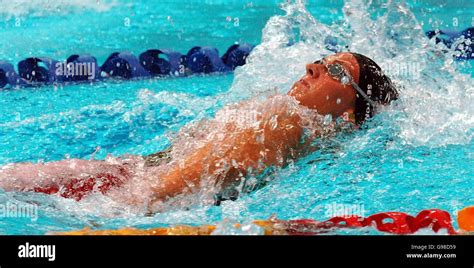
pixel 415 155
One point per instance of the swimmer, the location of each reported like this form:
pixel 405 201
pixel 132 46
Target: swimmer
pixel 346 86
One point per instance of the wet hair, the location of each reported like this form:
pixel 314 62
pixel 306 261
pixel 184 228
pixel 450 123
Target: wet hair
pixel 375 84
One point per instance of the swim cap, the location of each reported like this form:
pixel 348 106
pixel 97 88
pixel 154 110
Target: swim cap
pixel 375 84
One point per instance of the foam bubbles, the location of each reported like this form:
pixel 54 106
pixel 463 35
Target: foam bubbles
pixel 435 106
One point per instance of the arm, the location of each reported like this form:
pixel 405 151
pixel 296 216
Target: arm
pixel 246 151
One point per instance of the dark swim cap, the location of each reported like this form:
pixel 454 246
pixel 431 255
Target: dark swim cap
pixel 375 84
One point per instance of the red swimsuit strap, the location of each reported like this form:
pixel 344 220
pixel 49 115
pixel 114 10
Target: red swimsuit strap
pixel 77 188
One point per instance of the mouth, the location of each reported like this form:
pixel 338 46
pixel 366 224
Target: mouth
pixel 303 83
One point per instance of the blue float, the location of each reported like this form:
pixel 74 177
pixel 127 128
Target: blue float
pixel 8 76
pixel 77 68
pixel 205 60
pixel 37 71
pixel 124 65
pixel 163 62
pixel 236 55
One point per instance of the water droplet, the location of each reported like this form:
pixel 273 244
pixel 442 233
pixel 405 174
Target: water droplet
pixel 327 119
pixel 345 80
pixel 274 122
pixel 338 101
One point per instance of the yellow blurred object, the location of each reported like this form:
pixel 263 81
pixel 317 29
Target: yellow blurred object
pixel 466 219
pixel 270 227
pixel 176 230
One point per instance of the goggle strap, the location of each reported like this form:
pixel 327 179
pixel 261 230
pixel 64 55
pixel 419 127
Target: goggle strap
pixel 362 93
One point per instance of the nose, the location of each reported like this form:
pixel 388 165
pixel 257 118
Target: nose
pixel 314 70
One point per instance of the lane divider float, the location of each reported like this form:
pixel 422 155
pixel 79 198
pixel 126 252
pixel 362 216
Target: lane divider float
pixel 38 71
pixel 388 222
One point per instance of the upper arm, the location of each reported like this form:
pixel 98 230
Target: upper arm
pixel 239 151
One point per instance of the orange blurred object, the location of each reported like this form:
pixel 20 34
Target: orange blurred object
pixel 269 228
pixel 466 219
pixel 400 223
pixel 176 230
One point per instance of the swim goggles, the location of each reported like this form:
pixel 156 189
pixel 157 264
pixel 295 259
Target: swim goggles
pixel 339 73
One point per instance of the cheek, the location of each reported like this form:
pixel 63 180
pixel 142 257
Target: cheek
pixel 328 93
pixel 342 98
pixel 335 97
pixel 325 95
pixel 335 101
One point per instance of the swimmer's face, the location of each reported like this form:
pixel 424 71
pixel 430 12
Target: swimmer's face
pixel 318 90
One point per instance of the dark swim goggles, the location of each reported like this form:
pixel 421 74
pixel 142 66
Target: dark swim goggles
pixel 339 73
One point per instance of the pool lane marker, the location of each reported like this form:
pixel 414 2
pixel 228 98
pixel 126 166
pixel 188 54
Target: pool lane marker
pixel 388 222
pixel 39 71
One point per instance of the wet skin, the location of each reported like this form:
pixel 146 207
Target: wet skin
pixel 316 90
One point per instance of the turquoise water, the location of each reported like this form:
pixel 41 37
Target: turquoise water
pixel 415 156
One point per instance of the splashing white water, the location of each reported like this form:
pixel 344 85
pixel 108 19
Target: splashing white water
pixel 436 101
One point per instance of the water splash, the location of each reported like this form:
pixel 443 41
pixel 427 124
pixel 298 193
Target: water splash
pixel 435 105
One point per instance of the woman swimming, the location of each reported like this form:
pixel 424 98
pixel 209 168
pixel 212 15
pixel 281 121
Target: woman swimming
pixel 224 151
